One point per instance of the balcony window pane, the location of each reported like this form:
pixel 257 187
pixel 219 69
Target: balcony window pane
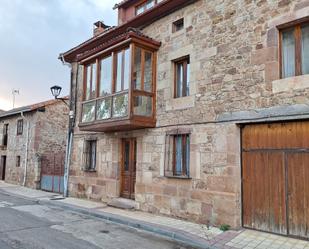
pixel 288 53
pixel 137 75
pixel 305 49
pixel 119 72
pixel 106 76
pixel 127 74
pixel 104 108
pixel 91 74
pixel 94 81
pixel 88 112
pixel 148 72
pixel 143 105
pixel 88 82
pixel 120 105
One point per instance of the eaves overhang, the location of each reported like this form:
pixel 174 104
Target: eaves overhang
pixel 140 21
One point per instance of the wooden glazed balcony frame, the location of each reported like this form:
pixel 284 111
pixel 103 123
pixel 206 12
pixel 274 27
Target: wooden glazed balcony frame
pixel 131 121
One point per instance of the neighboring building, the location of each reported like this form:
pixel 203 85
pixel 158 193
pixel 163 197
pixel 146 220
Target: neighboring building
pixel 197 109
pixel 33 140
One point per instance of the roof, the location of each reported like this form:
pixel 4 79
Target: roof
pixel 29 108
pixel 164 8
pixel 130 33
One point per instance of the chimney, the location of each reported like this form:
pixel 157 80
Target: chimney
pixel 99 28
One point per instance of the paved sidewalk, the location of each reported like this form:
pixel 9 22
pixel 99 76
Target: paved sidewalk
pixel 191 233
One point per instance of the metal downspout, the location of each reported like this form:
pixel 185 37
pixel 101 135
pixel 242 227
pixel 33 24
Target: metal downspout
pixel 27 148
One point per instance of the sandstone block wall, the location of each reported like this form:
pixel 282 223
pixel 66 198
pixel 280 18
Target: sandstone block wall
pixel 234 58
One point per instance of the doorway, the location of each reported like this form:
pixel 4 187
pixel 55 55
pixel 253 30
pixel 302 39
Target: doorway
pixel 275 177
pixel 128 168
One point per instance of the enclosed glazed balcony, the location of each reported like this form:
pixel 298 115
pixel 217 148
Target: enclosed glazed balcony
pixel 120 86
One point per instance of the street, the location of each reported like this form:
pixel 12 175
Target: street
pixel 26 224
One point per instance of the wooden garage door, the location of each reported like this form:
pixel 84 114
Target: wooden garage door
pixel 275 159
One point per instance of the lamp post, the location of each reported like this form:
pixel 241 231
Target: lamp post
pixel 56 90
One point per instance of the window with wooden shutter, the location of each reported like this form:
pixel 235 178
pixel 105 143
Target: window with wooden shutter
pixel 177 154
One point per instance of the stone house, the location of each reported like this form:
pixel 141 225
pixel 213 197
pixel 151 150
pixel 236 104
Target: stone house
pixel 197 109
pixel 29 136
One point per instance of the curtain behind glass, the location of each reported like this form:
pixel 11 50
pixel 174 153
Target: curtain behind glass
pixel 305 49
pixel 288 53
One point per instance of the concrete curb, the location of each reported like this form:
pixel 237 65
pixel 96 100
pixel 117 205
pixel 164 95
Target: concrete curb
pixel 173 234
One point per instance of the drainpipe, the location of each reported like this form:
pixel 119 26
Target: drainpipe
pixel 70 131
pixel 27 148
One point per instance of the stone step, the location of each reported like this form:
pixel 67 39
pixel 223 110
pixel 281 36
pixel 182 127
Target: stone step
pixel 122 203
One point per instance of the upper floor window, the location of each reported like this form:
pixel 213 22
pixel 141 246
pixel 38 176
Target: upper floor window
pixel 295 51
pixel 18 161
pixel 178 25
pixel 91 81
pixel 146 6
pixel 115 74
pixel 5 134
pixel 20 127
pixel 182 77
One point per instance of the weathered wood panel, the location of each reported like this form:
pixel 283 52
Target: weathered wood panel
pixel 298 197
pixel 289 135
pixel 275 167
pixel 264 191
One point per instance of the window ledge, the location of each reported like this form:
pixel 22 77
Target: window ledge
pixel 291 83
pixel 180 177
pixel 180 103
pixel 90 170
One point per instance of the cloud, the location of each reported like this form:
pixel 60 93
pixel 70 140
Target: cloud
pixel 33 33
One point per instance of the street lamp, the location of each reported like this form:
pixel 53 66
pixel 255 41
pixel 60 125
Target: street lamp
pixel 56 90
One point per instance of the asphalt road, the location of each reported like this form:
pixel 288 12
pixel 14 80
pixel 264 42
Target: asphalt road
pixel 25 224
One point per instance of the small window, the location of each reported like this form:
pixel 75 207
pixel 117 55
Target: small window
pixel 182 77
pixel 145 6
pixel 20 127
pixel 5 134
pixel 295 51
pixel 18 161
pixel 90 155
pixel 177 159
pixel 178 25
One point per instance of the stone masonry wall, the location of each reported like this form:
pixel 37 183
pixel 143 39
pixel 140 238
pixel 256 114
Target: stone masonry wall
pixel 47 134
pixel 233 49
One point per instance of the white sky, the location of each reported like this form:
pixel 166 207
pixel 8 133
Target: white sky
pixel 32 35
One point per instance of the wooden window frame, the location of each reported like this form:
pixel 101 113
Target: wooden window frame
pixel 185 61
pixel 176 23
pixel 20 127
pixel 298 47
pixel 91 80
pixel 87 154
pixel 170 153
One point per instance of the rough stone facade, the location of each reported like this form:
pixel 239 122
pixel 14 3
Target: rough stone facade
pixel 233 48
pixel 47 134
